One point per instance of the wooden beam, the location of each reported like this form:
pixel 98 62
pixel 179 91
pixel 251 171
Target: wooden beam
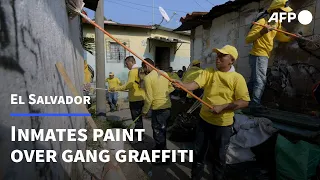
pixel 111 170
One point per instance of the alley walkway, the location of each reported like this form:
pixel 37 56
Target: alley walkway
pixel 174 171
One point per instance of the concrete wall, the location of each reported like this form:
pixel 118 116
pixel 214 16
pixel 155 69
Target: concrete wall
pixel 290 90
pixel 34 35
pixel 136 39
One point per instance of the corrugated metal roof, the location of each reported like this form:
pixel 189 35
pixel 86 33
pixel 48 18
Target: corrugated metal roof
pixel 192 16
pixel 227 7
pixel 129 25
pixel 192 21
pixel 111 23
pixel 168 40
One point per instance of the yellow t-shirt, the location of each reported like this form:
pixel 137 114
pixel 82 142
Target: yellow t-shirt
pixel 221 88
pixel 190 75
pixel 263 45
pixel 157 89
pixel 135 92
pixel 113 83
pixel 173 76
pixel 87 74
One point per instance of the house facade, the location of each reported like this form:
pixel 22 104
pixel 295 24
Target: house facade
pixel 165 47
pixel 292 71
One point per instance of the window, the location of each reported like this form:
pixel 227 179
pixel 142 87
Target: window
pixel 116 53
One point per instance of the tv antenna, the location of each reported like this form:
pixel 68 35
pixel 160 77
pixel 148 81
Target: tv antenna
pixel 164 15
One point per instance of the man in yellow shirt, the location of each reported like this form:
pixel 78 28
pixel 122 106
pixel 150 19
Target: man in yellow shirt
pixel 113 82
pixel 157 90
pixel 226 91
pixel 191 74
pixel 136 94
pixel 262 39
pixel 172 74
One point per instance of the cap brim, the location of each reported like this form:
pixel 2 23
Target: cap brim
pixel 216 50
pixel 286 9
pixel 222 51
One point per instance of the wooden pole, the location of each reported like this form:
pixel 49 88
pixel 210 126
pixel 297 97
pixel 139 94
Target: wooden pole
pixel 100 63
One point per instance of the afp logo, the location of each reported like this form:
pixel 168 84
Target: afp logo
pixel 304 17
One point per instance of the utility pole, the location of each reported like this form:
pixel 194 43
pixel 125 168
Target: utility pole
pixel 100 63
pixel 152 12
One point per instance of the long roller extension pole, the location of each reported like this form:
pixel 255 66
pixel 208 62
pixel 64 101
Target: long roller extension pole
pixel 279 30
pixel 161 73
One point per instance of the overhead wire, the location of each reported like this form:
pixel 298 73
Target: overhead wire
pixel 142 10
pixel 210 2
pixel 198 4
pixel 151 6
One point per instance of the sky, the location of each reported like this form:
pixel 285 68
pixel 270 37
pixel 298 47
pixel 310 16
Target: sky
pixel 140 11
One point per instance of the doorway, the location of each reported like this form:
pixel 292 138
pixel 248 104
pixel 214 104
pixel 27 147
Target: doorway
pixel 162 58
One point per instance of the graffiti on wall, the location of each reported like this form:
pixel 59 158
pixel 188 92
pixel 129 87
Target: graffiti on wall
pixel 295 68
pixel 25 61
pixel 291 85
pixel 311 45
pixel 281 78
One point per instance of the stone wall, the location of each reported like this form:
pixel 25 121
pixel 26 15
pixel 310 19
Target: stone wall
pixel 292 71
pixel 34 35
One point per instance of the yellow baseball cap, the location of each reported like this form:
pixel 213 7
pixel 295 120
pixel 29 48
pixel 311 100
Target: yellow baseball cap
pixel 111 74
pixel 280 4
pixel 195 62
pixel 227 49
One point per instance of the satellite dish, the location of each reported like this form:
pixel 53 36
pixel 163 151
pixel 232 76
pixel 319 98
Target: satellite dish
pixel 164 15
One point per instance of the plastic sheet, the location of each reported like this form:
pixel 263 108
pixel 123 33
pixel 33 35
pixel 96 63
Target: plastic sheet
pixel 297 161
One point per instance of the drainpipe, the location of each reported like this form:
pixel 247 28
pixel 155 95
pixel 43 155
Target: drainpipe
pixel 192 37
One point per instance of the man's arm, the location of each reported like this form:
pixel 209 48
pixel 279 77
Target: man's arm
pixel 119 82
pixel 129 84
pixel 256 32
pixel 149 97
pixel 189 86
pixel 238 104
pixel 242 97
pixel 241 94
pixel 283 37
